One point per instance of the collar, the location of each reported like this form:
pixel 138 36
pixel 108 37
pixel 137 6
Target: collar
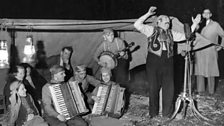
pixel 55 82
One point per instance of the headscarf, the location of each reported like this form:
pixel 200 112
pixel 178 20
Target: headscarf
pixel 15 102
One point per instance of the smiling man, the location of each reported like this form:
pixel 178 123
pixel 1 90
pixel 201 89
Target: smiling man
pixel 64 60
pixel 53 117
pixel 113 47
pixel 159 62
pixel 207 59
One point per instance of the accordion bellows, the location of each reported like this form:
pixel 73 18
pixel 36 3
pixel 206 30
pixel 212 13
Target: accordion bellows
pixel 68 100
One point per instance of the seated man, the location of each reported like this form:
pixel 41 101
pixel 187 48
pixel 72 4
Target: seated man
pixel 63 59
pixel 50 114
pixel 85 80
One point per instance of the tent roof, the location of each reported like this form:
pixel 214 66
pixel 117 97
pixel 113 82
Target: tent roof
pixel 76 25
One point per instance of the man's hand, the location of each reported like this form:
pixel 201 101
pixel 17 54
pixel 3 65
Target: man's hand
pixel 30 117
pixel 96 99
pixel 61 118
pixel 183 53
pixel 121 53
pixel 152 10
pixel 218 48
pixel 197 19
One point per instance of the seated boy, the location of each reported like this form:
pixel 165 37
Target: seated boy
pixel 85 81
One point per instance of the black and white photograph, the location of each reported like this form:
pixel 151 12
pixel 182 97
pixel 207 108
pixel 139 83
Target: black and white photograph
pixel 112 63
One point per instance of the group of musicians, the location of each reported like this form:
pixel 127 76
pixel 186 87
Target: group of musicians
pixel 58 75
pixel 159 69
pixel 62 72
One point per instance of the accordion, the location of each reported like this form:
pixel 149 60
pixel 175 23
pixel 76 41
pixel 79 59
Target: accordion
pixel 111 102
pixel 67 99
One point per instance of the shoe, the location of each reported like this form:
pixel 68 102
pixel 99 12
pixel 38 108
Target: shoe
pixel 151 115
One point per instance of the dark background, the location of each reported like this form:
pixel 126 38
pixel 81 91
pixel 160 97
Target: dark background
pixel 101 9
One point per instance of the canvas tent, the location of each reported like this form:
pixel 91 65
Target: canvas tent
pixel 83 36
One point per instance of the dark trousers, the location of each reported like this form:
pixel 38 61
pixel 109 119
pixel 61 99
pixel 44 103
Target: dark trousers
pixel 159 71
pixel 221 64
pixel 76 121
pixel 120 73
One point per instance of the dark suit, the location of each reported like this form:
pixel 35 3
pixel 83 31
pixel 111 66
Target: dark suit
pixel 55 60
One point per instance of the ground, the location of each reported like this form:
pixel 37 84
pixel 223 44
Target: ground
pixel 137 114
pixel 209 106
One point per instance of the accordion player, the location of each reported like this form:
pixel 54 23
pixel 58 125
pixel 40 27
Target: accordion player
pixel 68 100
pixel 111 102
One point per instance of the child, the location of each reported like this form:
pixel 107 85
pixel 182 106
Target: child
pixel 85 81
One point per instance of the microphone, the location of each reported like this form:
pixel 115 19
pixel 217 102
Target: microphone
pixel 188 34
pixel 187 31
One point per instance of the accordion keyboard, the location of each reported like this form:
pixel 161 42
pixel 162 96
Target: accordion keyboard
pixel 68 100
pixel 59 102
pixel 99 105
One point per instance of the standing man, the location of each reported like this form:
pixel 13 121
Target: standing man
pixel 64 60
pixel 52 117
pixel 207 59
pixel 159 62
pixel 116 46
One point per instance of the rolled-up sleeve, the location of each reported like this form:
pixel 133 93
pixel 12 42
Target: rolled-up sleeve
pixel 97 53
pixel 47 102
pixel 143 28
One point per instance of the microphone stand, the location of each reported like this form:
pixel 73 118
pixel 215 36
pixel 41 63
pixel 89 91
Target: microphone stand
pixel 186 97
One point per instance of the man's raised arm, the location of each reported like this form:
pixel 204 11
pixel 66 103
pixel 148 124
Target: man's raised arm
pixel 139 23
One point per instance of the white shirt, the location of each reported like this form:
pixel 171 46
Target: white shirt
pixel 207 22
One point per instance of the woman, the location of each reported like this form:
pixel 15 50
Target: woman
pixel 33 82
pixel 22 110
pixel 106 80
pixel 16 73
pixel 106 120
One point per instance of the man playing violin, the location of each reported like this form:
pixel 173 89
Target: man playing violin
pixel 116 47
